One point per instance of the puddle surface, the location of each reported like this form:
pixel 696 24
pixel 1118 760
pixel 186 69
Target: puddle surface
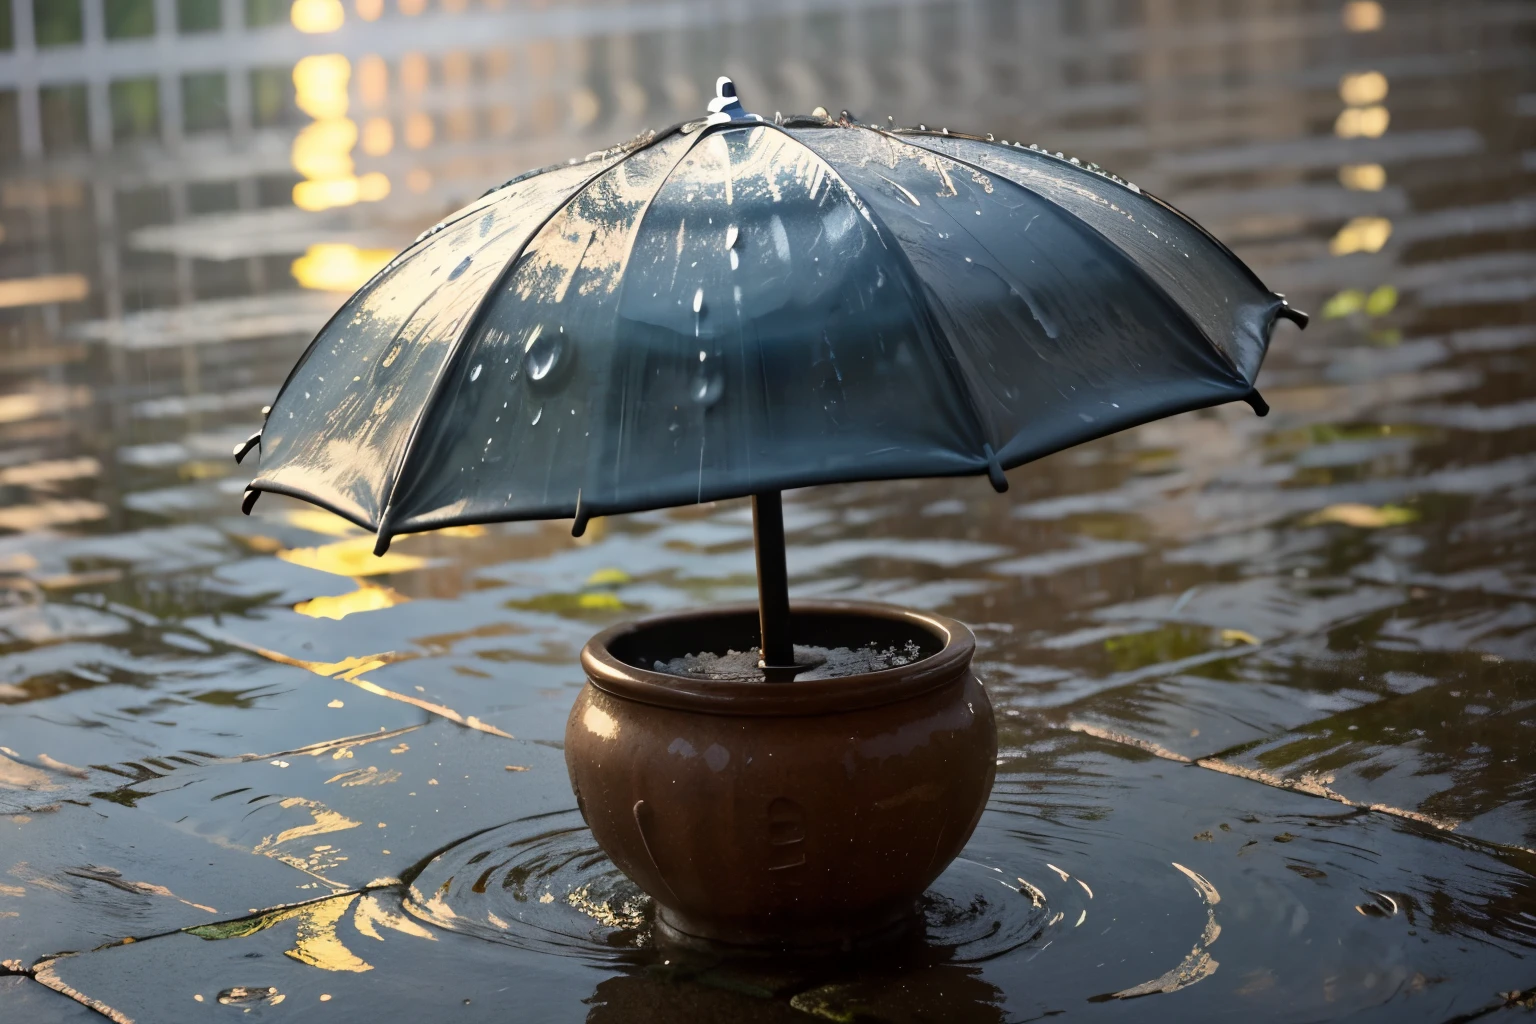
pixel 1263 685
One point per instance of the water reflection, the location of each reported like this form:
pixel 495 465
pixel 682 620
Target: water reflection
pixel 1289 657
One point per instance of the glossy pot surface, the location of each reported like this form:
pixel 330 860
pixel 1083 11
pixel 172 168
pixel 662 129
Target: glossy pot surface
pixel 803 814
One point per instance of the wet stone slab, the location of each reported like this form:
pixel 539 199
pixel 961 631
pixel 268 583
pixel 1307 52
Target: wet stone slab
pixel 138 877
pixel 28 1000
pixel 1227 895
pixel 1214 641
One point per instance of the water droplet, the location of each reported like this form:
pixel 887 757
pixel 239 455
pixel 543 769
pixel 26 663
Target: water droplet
pixel 537 416
pixel 458 271
pixel 731 234
pixel 703 356
pixel 475 373
pixel 706 389
pixel 698 301
pixel 735 260
pixel 541 353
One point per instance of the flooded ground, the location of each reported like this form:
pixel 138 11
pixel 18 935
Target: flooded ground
pixel 1265 685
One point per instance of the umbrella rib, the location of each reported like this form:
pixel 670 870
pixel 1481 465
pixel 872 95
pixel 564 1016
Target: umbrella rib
pixel 988 459
pixel 384 535
pixel 367 288
pixel 472 321
pixel 584 506
pixel 1085 227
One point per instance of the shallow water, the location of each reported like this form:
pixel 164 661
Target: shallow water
pixel 818 662
pixel 1264 685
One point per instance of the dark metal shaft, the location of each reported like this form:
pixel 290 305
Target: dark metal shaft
pixel 772 579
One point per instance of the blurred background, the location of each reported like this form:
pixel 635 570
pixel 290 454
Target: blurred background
pixel 1333 609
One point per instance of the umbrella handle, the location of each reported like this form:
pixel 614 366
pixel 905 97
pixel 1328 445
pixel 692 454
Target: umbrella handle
pixel 777 646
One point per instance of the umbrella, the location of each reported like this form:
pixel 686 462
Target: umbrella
pixel 736 306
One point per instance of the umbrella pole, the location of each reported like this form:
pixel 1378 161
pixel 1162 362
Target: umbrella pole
pixel 772 579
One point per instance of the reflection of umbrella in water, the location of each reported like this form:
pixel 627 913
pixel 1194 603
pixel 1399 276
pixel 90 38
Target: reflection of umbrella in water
pixel 734 307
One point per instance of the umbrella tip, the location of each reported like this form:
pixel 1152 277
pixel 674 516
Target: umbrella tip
pixel 726 106
pixel 1293 314
pixel 995 474
pixel 1253 398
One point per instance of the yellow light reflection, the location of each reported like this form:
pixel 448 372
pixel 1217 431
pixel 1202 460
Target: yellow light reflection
pixel 1345 303
pixel 320 84
pixel 372 186
pixel 315 16
pixel 1365 517
pixel 338 267
pixel 1381 301
pixel 339 606
pixel 353 557
pixel 1362 122
pixel 1363 177
pixel 418 131
pixel 318 520
pixel 414 72
pixel 457 68
pixel 419 180
pixel 585 106
pixel 37 291
pixel 318 943
pixel 369 10
pixel 323 150
pixel 411 8
pixel 373 80
pixel 1363 16
pixel 1364 88
pixel 323 195
pixel 1362 234
pixel 378 136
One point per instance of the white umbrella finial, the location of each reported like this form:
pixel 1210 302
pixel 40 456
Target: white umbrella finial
pixel 726 106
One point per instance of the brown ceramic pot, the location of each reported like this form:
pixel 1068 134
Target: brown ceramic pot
pixel 801 814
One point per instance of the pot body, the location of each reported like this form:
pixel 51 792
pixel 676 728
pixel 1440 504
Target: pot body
pixel 807 819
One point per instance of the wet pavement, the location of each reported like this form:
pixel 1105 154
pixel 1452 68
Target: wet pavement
pixel 1265 685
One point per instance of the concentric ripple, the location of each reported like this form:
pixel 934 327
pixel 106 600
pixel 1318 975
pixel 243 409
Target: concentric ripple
pixel 543 884
pixel 538 883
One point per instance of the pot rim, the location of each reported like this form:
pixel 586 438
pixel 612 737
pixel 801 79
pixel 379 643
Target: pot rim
pixel 800 697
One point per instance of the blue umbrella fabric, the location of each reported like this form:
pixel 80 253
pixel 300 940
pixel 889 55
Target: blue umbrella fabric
pixel 736 306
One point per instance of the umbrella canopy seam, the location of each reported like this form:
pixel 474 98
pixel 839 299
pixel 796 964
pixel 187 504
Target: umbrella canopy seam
pixel 472 322
pixel 1084 227
pixel 888 238
pixel 459 215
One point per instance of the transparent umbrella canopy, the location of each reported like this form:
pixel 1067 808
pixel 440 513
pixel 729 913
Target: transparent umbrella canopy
pixel 735 306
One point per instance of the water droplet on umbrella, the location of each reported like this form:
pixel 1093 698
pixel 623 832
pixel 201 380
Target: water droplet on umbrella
pixel 731 234
pixel 706 389
pixel 735 260
pixel 537 416
pixel 698 301
pixel 475 373
pixel 541 359
pixel 458 271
